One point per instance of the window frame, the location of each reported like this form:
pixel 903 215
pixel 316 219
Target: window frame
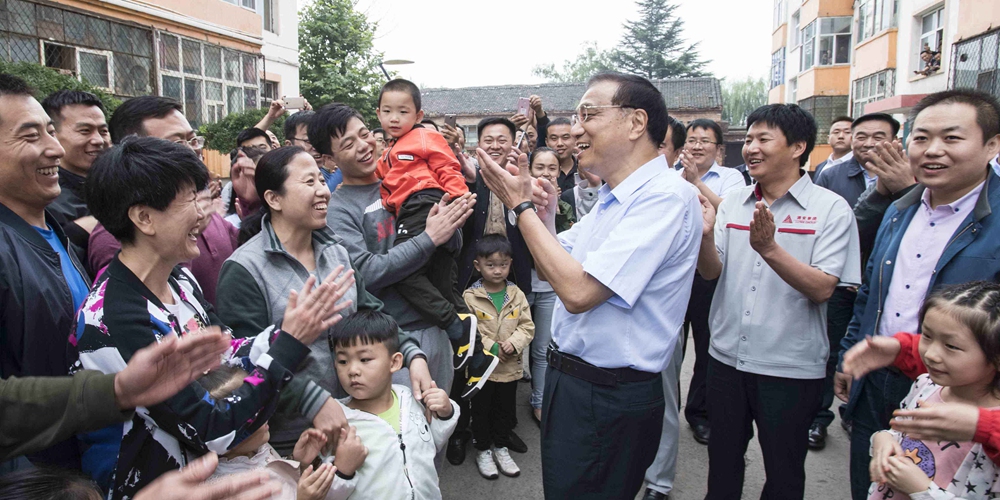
pixel 866 90
pixel 936 34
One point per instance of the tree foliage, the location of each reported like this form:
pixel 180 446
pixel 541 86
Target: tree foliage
pixel 741 97
pixel 338 59
pixel 652 45
pixel 592 60
pixel 47 80
pixel 221 135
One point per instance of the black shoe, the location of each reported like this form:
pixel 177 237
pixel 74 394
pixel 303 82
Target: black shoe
pixel 465 345
pixel 701 433
pixel 817 437
pixel 846 425
pixel 478 371
pixel 513 443
pixel 456 449
pixel 655 495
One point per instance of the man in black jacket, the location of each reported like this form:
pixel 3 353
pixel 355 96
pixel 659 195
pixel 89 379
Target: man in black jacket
pixel 42 283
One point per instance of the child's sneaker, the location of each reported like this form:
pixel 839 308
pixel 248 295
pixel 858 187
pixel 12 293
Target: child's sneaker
pixel 506 464
pixel 487 469
pixel 465 344
pixel 479 370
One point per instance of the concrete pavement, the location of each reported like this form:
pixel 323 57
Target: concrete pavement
pixel 826 470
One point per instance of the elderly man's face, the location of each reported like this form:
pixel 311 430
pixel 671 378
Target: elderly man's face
pixel 29 165
pixel 603 139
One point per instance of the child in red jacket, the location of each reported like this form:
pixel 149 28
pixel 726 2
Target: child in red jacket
pixel 417 170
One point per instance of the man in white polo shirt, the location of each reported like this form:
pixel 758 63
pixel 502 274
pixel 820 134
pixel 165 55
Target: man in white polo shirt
pixel 778 248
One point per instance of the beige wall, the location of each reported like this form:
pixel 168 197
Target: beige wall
pixel 976 16
pixel 831 80
pixel 875 54
pixel 779 38
pixel 811 9
pixel 776 95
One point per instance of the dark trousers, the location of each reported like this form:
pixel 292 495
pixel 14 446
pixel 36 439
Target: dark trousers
pixel 839 310
pixel 702 290
pixel 493 409
pixel 598 441
pixel 880 395
pixel 430 290
pixel 782 409
pixel 464 407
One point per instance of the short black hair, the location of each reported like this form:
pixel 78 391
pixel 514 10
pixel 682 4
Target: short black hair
pixel 843 118
pixel 794 122
pixel 56 101
pixel 706 124
pixel 538 151
pixel 367 327
pixel 12 85
pixel 291 126
pixel 987 108
pixel 140 171
pixel 376 131
pixel 428 121
pixel 486 122
pixel 127 118
pixel 877 117
pixel 493 243
pixel 562 120
pixel 47 483
pixel 252 153
pixel 636 92
pixel 401 85
pixel 251 133
pixel 330 121
pixel 678 133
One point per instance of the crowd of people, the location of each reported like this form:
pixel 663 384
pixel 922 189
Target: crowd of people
pixel 358 304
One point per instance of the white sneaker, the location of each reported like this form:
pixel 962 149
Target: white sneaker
pixel 507 465
pixel 487 469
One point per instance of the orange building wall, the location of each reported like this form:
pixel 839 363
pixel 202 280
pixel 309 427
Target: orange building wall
pixel 776 95
pixel 819 153
pixel 834 80
pixel 977 16
pixel 812 9
pixel 875 54
pixel 779 38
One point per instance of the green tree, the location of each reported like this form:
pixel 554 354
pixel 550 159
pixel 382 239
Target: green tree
pixel 592 60
pixel 741 97
pixel 47 80
pixel 221 135
pixel 652 46
pixel 338 60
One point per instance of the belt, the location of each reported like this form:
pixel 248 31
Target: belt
pixel 578 368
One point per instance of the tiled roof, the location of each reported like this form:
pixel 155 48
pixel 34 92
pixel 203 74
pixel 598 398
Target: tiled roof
pixel 679 93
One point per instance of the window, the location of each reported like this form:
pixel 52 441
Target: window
pixel 471 136
pixel 872 88
pixel 779 13
pixel 931 38
pixel 830 45
pixel 192 101
pixel 60 57
pixel 824 109
pixel 249 4
pixel 270 15
pixel 192 57
pixel 874 16
pixel 170 52
pixel 95 67
pixel 268 91
pixel 976 63
pixel 778 68
pixel 793 89
pixel 795 33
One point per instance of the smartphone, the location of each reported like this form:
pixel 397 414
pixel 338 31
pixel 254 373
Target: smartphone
pixel 523 103
pixel 450 120
pixel 295 102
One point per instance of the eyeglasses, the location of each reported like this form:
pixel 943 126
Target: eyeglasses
pixel 699 142
pixel 196 142
pixel 583 110
pixel 306 140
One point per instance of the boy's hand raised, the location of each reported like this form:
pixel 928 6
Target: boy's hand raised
pixel 308 446
pixel 351 452
pixel 437 402
pixel 314 485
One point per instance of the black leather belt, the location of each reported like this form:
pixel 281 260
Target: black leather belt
pixel 576 367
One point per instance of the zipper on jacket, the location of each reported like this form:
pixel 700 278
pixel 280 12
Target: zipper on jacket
pixel 406 470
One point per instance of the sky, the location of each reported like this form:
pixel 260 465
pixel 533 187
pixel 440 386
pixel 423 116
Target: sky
pixel 445 38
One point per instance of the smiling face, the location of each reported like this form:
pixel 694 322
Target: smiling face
pixel 173 231
pixel 947 151
pixel 559 138
pixel 354 153
pixel 29 165
pixel 768 155
pixel 397 113
pixel 304 200
pixel 603 139
pixel 951 353
pixel 365 370
pixel 702 146
pixel 546 166
pixel 866 135
pixel 83 133
pixel 497 142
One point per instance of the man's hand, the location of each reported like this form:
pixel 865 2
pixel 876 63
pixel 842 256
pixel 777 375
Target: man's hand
pixel 842 386
pixel 313 311
pixel 308 446
pixel 892 166
pixel 445 218
pixel 536 106
pixel 305 105
pixel 189 484
pixel 451 136
pixel 870 355
pixel 707 216
pixel 158 372
pixel 884 445
pixel 420 377
pixel 351 452
pixel 276 109
pixel 938 421
pixel 314 485
pixel 437 402
pixel 513 185
pixel 519 120
pixel 690 170
pixel 762 229
pixel 330 421
pixel 904 476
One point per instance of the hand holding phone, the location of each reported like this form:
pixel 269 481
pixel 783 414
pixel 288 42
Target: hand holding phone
pixel 295 102
pixel 450 120
pixel 523 104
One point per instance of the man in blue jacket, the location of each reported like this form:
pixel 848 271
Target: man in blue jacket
pixel 942 232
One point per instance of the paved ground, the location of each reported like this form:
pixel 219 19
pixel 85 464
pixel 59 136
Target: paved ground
pixel 826 470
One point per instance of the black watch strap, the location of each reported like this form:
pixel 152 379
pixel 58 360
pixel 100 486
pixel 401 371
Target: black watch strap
pixel 522 207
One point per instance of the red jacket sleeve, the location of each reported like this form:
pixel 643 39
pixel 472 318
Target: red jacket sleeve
pixel 908 360
pixel 444 165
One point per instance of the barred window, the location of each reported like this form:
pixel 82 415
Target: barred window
pixel 778 68
pixel 824 109
pixel 976 63
pixel 871 88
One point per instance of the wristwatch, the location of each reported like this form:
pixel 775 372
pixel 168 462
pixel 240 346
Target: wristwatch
pixel 515 212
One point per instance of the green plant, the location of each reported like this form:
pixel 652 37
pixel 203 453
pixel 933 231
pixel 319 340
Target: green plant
pixel 221 136
pixel 47 80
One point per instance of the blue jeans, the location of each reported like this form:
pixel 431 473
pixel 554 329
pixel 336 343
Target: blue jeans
pixel 880 395
pixel 542 304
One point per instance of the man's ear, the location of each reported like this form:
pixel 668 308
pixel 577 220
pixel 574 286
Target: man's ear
pixel 798 149
pixel 141 218
pixel 638 124
pixel 287 142
pixel 396 362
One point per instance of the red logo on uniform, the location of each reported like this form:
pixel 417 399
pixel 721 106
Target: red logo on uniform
pixel 788 220
pixel 805 219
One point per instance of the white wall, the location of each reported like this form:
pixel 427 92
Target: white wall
pixel 281 49
pixel 908 46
